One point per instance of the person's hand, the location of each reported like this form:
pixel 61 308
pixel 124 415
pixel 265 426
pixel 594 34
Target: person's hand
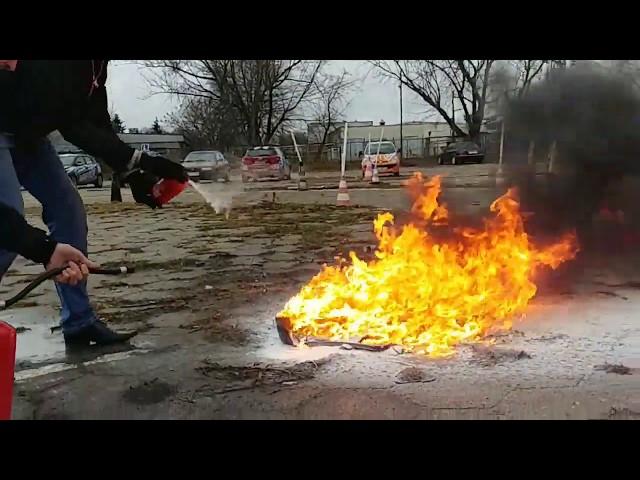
pixel 77 264
pixel 163 168
pixel 141 184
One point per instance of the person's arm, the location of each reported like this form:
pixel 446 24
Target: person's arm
pixel 16 235
pixel 96 136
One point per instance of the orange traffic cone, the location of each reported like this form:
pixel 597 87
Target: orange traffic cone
pixel 302 180
pixel 375 179
pixel 343 194
pixel 367 172
pixel 500 177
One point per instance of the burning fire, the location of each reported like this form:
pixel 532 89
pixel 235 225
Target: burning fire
pixel 425 294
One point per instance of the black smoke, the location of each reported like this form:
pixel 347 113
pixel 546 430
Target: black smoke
pixel 593 115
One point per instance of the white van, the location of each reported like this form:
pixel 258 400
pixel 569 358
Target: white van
pixel 388 157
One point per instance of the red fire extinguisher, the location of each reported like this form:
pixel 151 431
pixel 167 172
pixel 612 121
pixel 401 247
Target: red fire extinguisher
pixel 7 368
pixel 8 334
pixel 165 190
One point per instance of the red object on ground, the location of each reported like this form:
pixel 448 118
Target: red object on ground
pixel 631 238
pixel 166 190
pixel 7 367
pixel 8 65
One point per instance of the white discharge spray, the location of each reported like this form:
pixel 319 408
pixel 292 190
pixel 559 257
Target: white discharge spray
pixel 220 201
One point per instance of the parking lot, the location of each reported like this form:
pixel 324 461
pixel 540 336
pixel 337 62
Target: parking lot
pixel 209 283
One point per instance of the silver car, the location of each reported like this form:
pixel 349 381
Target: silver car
pixel 265 162
pixel 207 165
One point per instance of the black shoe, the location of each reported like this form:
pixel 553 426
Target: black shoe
pixel 97 333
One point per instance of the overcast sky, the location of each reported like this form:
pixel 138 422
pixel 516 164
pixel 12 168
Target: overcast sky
pixel 374 99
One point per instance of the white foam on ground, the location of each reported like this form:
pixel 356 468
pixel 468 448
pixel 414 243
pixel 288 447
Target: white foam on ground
pixel 218 196
pixel 61 367
pixel 287 353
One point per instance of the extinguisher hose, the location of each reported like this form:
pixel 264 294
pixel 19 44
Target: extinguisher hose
pixel 43 277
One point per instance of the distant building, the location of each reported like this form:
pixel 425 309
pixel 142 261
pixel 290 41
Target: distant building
pixel 414 129
pixel 169 145
pixel 419 138
pixel 165 144
pixel 315 130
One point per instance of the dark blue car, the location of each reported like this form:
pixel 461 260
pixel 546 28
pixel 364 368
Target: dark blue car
pixel 82 169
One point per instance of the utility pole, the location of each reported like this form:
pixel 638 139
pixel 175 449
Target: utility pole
pixel 453 117
pixel 401 144
pixel 501 146
pixel 500 171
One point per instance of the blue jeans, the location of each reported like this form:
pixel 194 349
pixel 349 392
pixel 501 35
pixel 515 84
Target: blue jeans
pixel 41 173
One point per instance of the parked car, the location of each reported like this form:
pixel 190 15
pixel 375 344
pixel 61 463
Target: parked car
pixel 265 162
pixel 207 165
pixel 82 169
pixel 461 152
pixel 388 157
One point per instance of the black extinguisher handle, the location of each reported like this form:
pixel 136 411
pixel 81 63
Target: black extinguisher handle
pixel 43 277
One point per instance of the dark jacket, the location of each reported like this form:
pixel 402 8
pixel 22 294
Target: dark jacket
pixel 16 235
pixel 41 96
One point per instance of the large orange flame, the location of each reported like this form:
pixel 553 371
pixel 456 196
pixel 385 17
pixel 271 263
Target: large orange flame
pixel 424 294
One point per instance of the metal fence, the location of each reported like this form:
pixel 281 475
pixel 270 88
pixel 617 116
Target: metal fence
pixel 412 148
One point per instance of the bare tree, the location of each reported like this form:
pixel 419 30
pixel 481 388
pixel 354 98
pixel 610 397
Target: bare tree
pixel 512 79
pixel 328 110
pixel 205 124
pixel 117 124
pixel 526 72
pixel 264 95
pixel 442 83
pixel 156 127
